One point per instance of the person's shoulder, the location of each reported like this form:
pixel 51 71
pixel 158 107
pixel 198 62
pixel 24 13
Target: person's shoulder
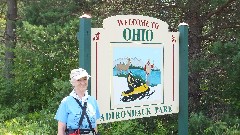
pixel 91 98
pixel 66 99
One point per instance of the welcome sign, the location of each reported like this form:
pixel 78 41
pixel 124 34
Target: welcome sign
pixel 134 68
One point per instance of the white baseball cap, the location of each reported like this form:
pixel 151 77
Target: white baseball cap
pixel 78 74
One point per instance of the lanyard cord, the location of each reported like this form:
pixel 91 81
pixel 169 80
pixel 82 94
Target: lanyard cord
pixel 84 108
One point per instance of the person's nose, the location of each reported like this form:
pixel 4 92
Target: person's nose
pixel 82 82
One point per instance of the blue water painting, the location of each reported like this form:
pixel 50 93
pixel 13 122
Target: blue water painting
pixel 155 76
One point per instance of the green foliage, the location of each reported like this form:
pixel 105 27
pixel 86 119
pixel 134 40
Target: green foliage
pixel 63 88
pixel 219 85
pixel 226 80
pixel 57 12
pixel 133 127
pixel 15 122
pixel 156 125
pixel 42 54
pixel 2 29
pixel 2 87
pixel 42 122
pixel 47 49
pixel 198 123
pixel 201 125
pixel 222 128
pixel 34 123
pixel 123 127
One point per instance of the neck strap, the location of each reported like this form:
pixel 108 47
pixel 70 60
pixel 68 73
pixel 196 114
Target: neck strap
pixel 84 108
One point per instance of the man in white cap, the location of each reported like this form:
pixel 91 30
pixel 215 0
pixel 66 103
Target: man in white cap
pixel 148 68
pixel 78 112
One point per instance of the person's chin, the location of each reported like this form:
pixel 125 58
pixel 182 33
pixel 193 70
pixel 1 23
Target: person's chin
pixel 85 87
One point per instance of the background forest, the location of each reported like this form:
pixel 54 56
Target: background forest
pixel 39 47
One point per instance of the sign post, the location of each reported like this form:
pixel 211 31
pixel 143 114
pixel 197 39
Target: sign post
pixel 183 80
pixel 84 39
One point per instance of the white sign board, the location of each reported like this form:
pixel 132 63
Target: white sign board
pixel 135 68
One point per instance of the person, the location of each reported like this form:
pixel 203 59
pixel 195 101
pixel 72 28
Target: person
pixel 148 68
pixel 71 117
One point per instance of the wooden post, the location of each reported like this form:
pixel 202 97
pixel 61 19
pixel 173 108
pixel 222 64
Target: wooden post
pixel 84 39
pixel 183 80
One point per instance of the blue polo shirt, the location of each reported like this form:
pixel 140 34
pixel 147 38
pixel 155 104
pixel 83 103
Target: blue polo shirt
pixel 69 112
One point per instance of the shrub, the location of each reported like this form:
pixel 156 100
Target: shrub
pixel 34 123
pixel 198 123
pixel 229 126
pixel 201 125
pixel 126 127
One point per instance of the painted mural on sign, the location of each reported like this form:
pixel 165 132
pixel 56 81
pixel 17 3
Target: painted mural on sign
pixel 137 76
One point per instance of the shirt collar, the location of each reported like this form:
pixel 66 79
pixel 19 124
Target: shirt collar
pixel 74 94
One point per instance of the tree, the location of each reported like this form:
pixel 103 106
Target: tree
pixel 208 24
pixel 10 37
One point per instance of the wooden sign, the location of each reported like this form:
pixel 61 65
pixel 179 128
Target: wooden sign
pixel 134 68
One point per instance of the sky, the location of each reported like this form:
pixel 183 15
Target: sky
pixel 144 53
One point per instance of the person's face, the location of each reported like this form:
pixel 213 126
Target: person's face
pixel 81 83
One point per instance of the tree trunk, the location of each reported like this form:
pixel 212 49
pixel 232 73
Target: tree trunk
pixel 10 37
pixel 195 21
